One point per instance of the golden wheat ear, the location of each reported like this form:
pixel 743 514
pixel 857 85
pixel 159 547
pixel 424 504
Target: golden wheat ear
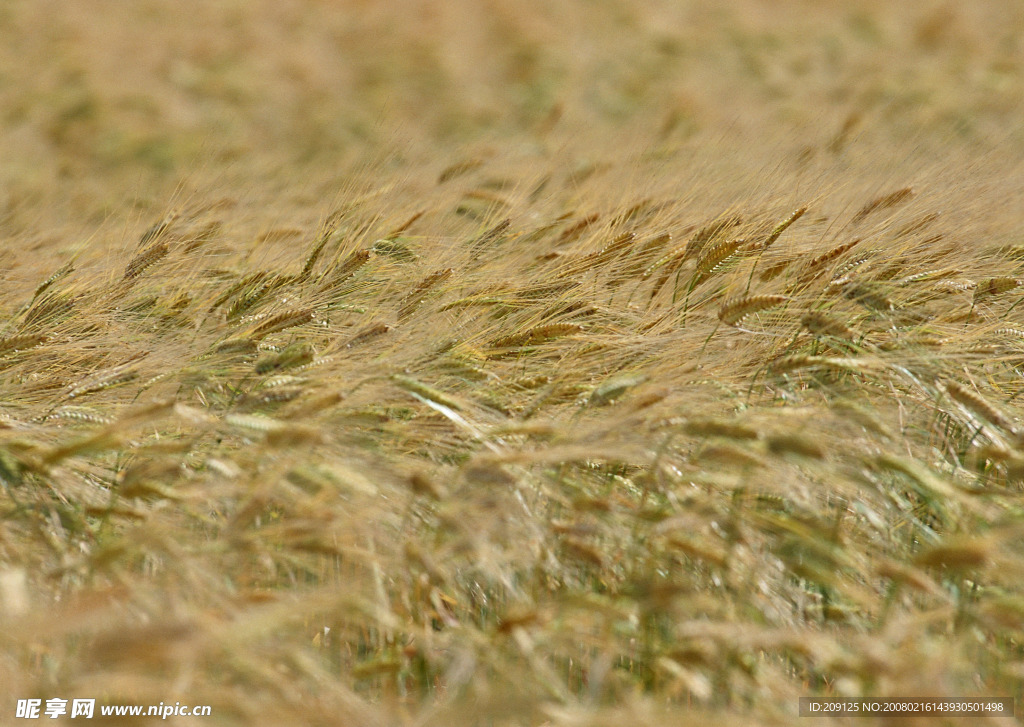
pixel 739 308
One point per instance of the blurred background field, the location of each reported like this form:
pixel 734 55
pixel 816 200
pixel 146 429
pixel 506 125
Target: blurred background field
pixel 106 105
pixel 510 363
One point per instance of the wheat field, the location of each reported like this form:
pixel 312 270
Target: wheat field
pixel 511 364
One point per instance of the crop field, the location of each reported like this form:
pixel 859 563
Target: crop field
pixel 511 364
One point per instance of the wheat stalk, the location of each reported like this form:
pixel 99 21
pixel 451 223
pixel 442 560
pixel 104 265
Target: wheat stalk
pixel 158 229
pixel 368 333
pixel 21 342
pixel 254 293
pixel 346 269
pixel 977 405
pixel 429 393
pixel 113 377
pixel 823 325
pixel 404 226
pixel 536 335
pixel 282 321
pixel 695 245
pixel 815 267
pixel 147 258
pixel 783 226
pixel 710 261
pixel 412 301
pixel 62 272
pixel 992 287
pixel 886 201
pixel 739 308
pixel 318 247
pixel 578 228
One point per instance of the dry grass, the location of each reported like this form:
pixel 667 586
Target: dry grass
pixel 511 366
